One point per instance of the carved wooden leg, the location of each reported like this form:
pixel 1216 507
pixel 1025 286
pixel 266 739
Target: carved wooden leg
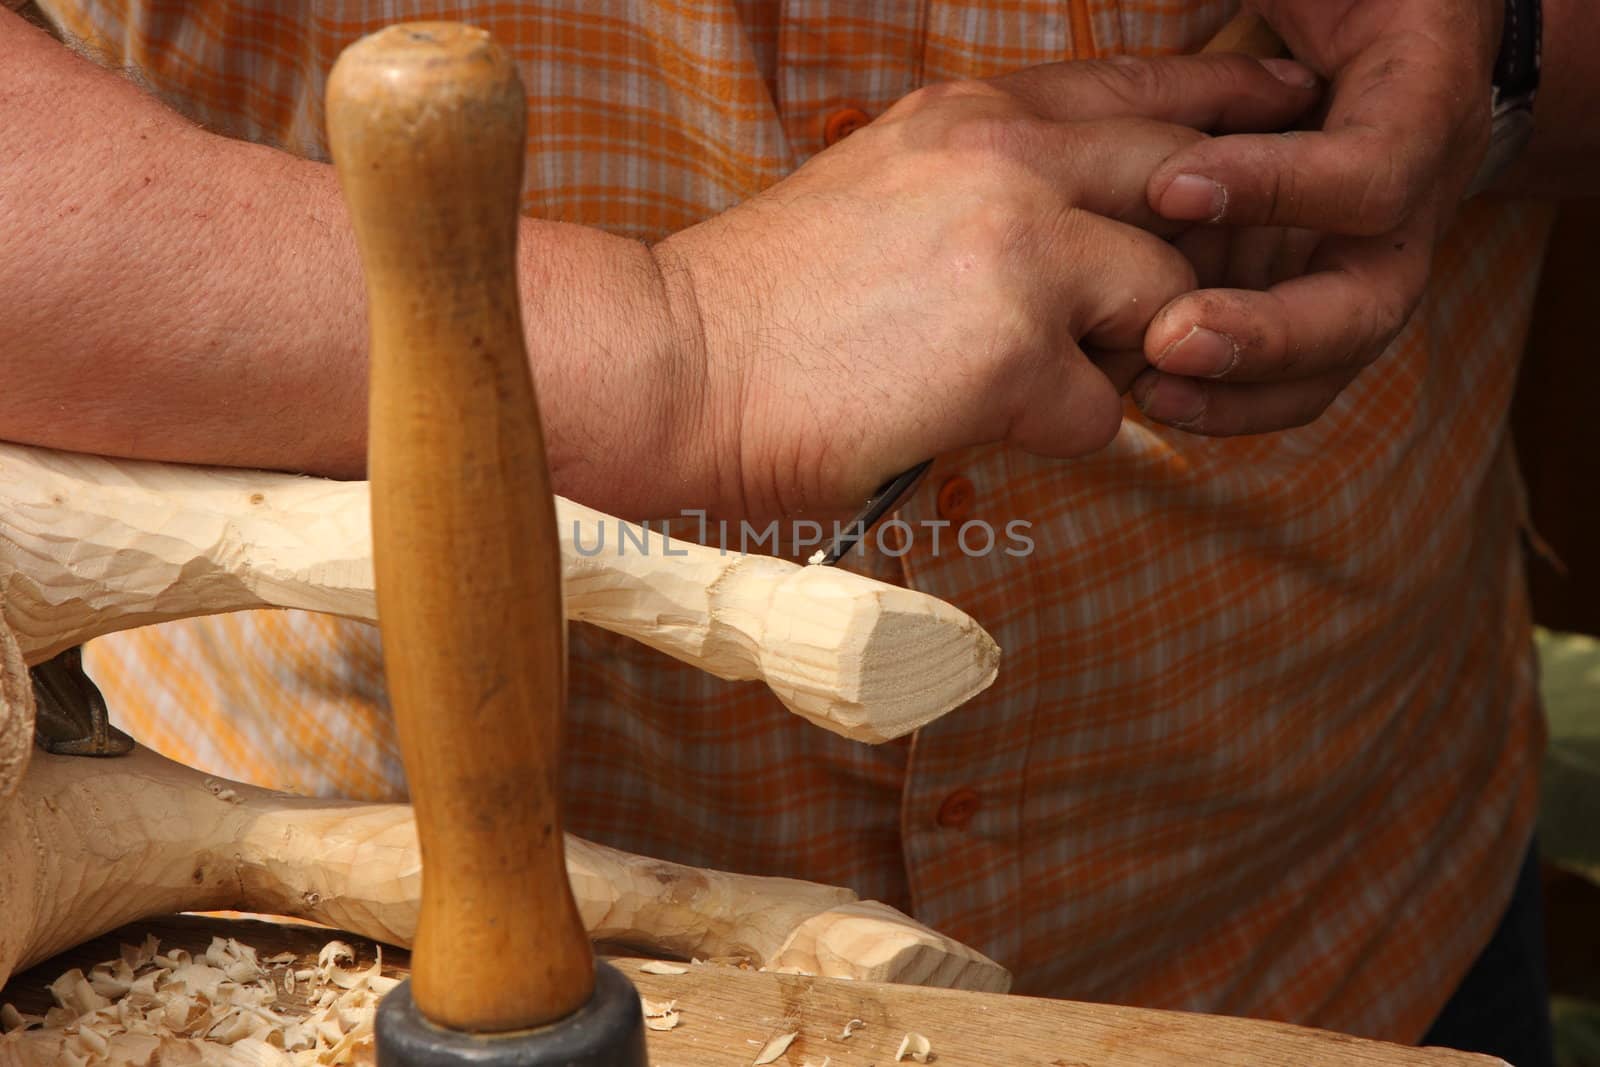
pixel 90 545
pixel 88 845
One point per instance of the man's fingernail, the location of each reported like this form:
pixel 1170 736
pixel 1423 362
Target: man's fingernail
pixel 1172 400
pixel 1191 198
pixel 1291 73
pixel 1200 353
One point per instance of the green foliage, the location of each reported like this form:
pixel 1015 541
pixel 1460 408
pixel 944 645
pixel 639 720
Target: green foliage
pixel 1569 815
pixel 1577 1024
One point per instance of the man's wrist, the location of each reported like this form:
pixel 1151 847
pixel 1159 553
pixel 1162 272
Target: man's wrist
pixel 703 439
pixel 1515 84
pixel 617 406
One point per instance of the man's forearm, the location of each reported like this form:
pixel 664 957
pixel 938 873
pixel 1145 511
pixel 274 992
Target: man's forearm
pixel 172 294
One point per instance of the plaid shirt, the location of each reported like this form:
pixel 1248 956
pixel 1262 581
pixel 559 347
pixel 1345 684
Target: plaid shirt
pixel 1264 739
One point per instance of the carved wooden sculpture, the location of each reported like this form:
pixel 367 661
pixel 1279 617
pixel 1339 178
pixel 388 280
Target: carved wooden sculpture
pixel 88 845
pixel 91 545
pixel 88 546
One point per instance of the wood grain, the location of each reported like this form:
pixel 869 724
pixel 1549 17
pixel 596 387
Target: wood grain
pixel 90 545
pixel 16 709
pixel 140 835
pixel 728 1013
pixel 426 125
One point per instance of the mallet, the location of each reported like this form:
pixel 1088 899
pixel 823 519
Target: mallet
pixel 427 129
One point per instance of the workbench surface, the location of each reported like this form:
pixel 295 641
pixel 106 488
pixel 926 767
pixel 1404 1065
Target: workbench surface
pixel 727 1015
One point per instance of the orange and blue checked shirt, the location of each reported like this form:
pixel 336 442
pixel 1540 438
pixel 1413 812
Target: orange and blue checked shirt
pixel 1265 735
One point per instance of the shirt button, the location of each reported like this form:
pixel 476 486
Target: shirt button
pixel 842 124
pixel 956 498
pixel 958 809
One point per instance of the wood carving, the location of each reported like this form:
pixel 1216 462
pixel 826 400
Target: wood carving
pixel 87 845
pixel 728 1013
pixel 16 710
pixel 90 545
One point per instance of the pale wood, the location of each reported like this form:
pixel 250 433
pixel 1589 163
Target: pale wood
pixel 726 1014
pixel 426 125
pixel 87 845
pixel 90 545
pixel 16 708
pixel 1248 34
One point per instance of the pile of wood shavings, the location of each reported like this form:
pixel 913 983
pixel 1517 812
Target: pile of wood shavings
pixel 145 1006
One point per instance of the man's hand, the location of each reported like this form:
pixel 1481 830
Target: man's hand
pixel 932 282
pixel 1349 215
pixel 921 287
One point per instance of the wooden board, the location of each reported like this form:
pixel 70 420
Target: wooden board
pixel 728 1014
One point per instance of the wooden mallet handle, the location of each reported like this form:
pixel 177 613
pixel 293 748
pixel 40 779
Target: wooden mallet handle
pixel 427 127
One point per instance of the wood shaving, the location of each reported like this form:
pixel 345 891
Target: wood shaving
pixel 659 1014
pixel 850 1028
pixel 914 1047
pixel 662 967
pixel 775 1047
pixel 135 1008
pixel 813 1063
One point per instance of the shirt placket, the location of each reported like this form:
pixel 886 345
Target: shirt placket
pixel 964 790
pixel 962 804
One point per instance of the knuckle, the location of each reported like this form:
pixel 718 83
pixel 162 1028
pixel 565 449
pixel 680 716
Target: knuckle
pixel 1132 129
pixel 1386 208
pixel 986 233
pixel 1138 81
pixel 1118 279
pixel 984 134
pixel 1239 72
pixel 939 94
pixel 1384 198
pixel 1283 194
pixel 1101 428
pixel 1378 329
pixel 1223 75
pixel 1386 316
pixel 1381 344
pixel 1285 360
pixel 978 251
